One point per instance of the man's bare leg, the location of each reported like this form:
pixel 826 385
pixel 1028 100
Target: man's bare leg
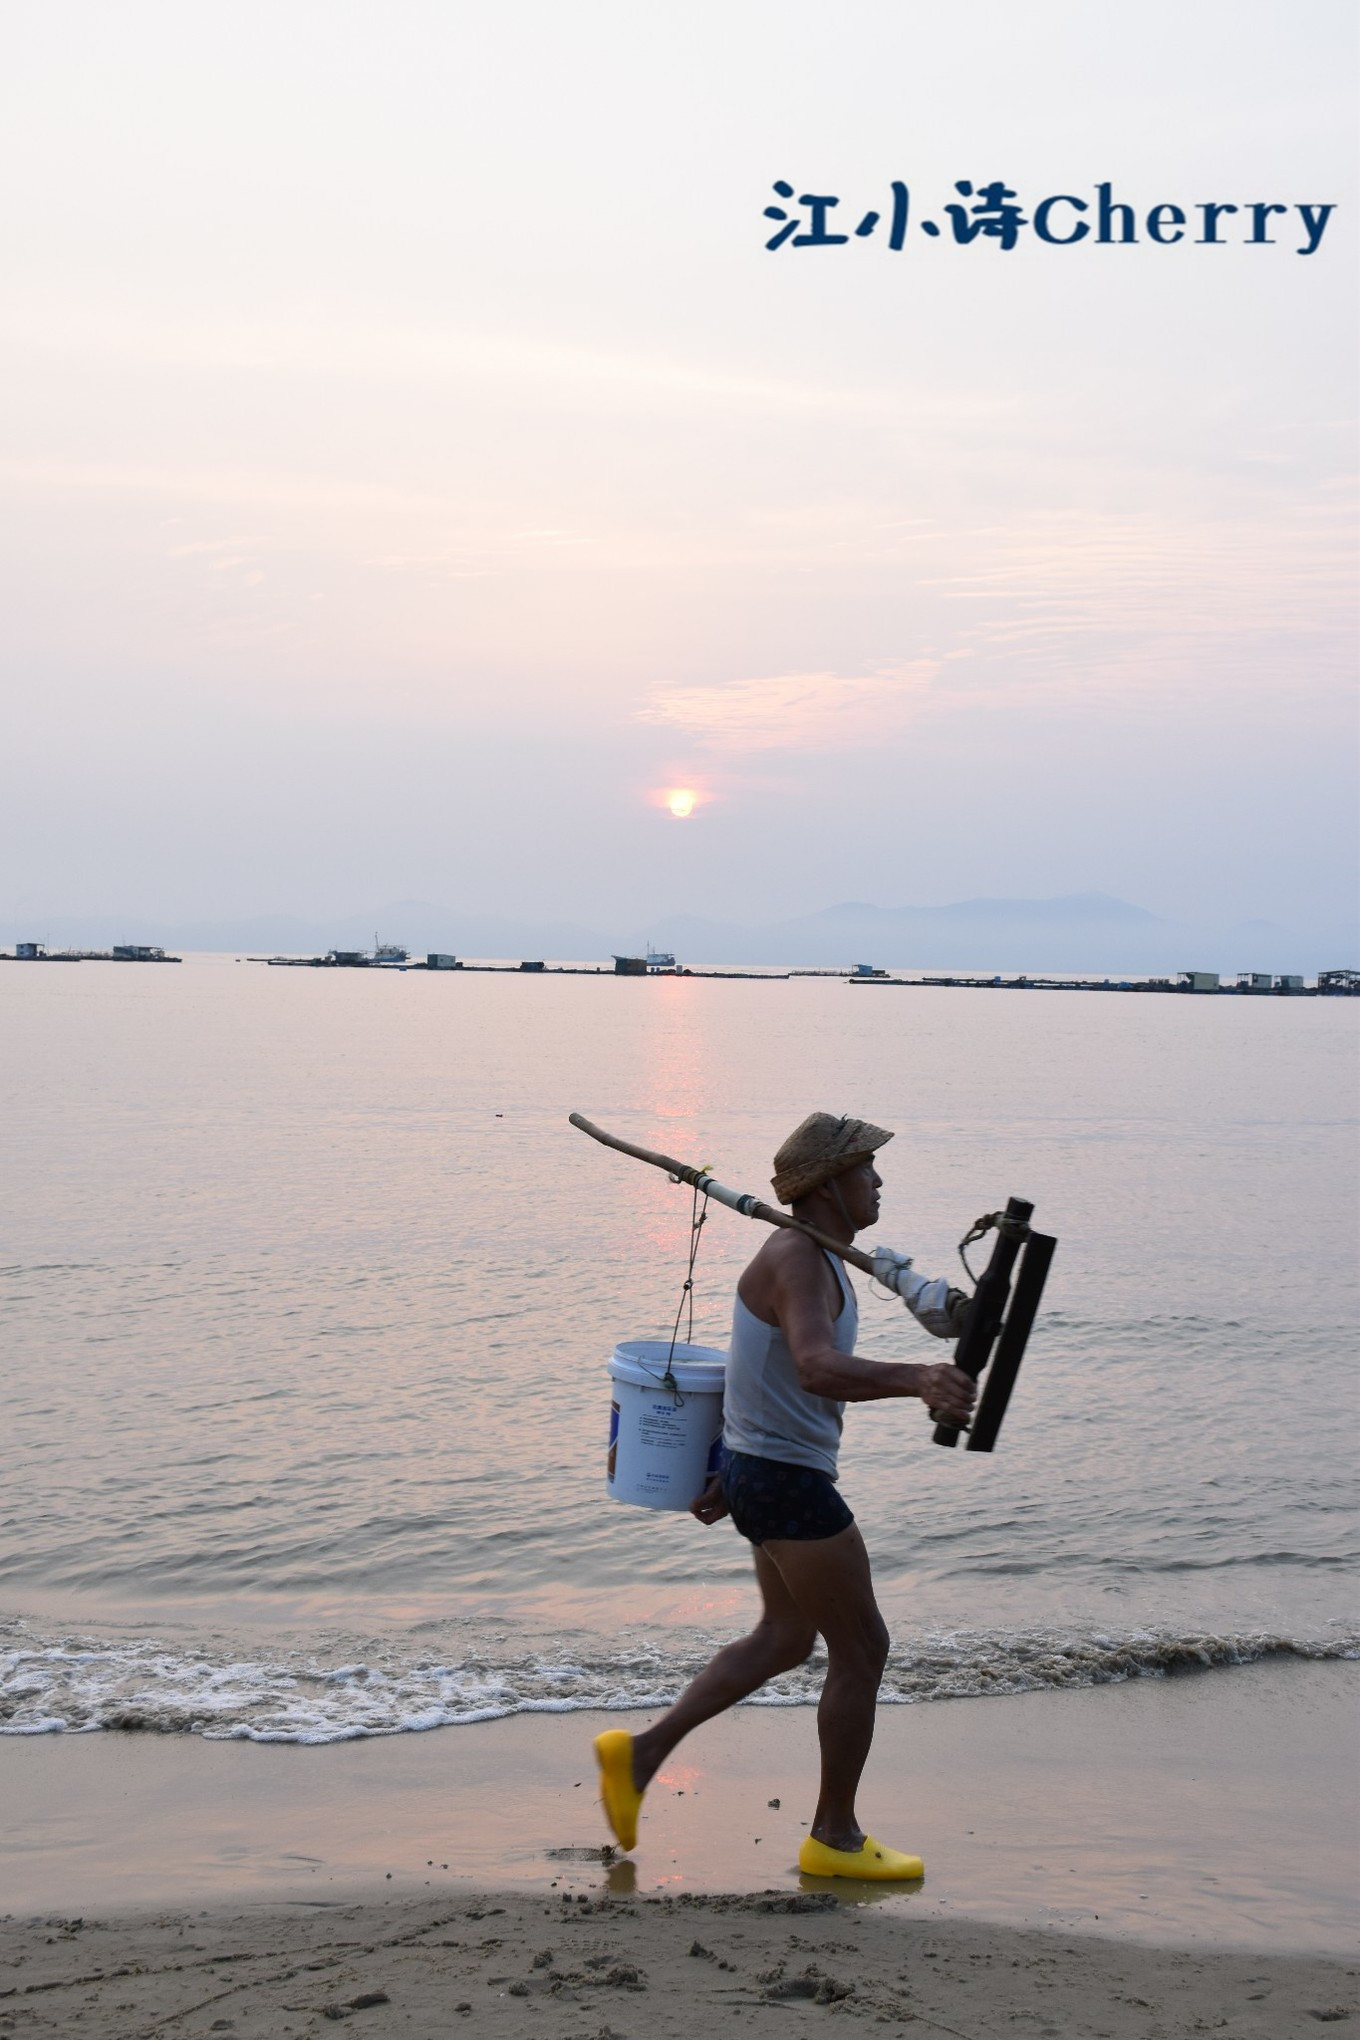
pixel 781 1640
pixel 829 1580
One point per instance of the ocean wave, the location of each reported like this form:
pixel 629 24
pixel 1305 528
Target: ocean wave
pixel 77 1685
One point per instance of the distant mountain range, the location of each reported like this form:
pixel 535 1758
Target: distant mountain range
pixel 1072 932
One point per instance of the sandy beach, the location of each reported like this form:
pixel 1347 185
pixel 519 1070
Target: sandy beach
pixel 525 1965
pixel 1163 1857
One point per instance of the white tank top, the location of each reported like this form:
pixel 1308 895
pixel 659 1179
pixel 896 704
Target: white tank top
pixel 766 1410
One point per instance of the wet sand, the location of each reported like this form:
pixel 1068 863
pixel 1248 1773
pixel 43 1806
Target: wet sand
pixel 1219 1806
pixel 1204 1824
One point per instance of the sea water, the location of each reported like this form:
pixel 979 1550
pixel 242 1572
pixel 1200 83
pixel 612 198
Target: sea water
pixel 309 1292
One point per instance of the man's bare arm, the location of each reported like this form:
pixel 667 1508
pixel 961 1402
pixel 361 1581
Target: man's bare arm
pixel 798 1294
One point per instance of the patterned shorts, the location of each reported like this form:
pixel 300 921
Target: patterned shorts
pixel 771 1500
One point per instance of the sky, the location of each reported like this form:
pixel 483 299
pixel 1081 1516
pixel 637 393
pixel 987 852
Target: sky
pixel 414 463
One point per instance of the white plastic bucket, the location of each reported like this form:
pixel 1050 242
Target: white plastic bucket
pixel 663 1441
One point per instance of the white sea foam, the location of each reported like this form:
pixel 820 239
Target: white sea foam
pixel 51 1686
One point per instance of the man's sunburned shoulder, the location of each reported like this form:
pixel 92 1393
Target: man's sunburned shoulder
pixel 787 1252
pixel 787 1263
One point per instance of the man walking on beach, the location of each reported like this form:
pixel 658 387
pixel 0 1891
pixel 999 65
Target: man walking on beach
pixel 791 1370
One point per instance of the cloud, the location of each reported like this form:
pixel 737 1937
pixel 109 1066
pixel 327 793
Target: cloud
pixel 379 353
pixel 795 711
pixel 247 541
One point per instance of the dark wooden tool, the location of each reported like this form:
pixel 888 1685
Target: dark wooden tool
pixel 991 1325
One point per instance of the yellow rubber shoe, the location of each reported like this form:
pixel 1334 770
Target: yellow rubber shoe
pixel 619 1796
pixel 873 1863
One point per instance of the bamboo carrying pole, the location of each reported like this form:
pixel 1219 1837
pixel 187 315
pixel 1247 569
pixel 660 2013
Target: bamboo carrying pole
pixel 892 1269
pixel 735 1200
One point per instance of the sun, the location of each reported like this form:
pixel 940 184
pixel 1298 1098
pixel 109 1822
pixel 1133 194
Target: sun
pixel 681 803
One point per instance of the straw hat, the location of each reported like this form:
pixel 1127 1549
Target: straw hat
pixel 822 1147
